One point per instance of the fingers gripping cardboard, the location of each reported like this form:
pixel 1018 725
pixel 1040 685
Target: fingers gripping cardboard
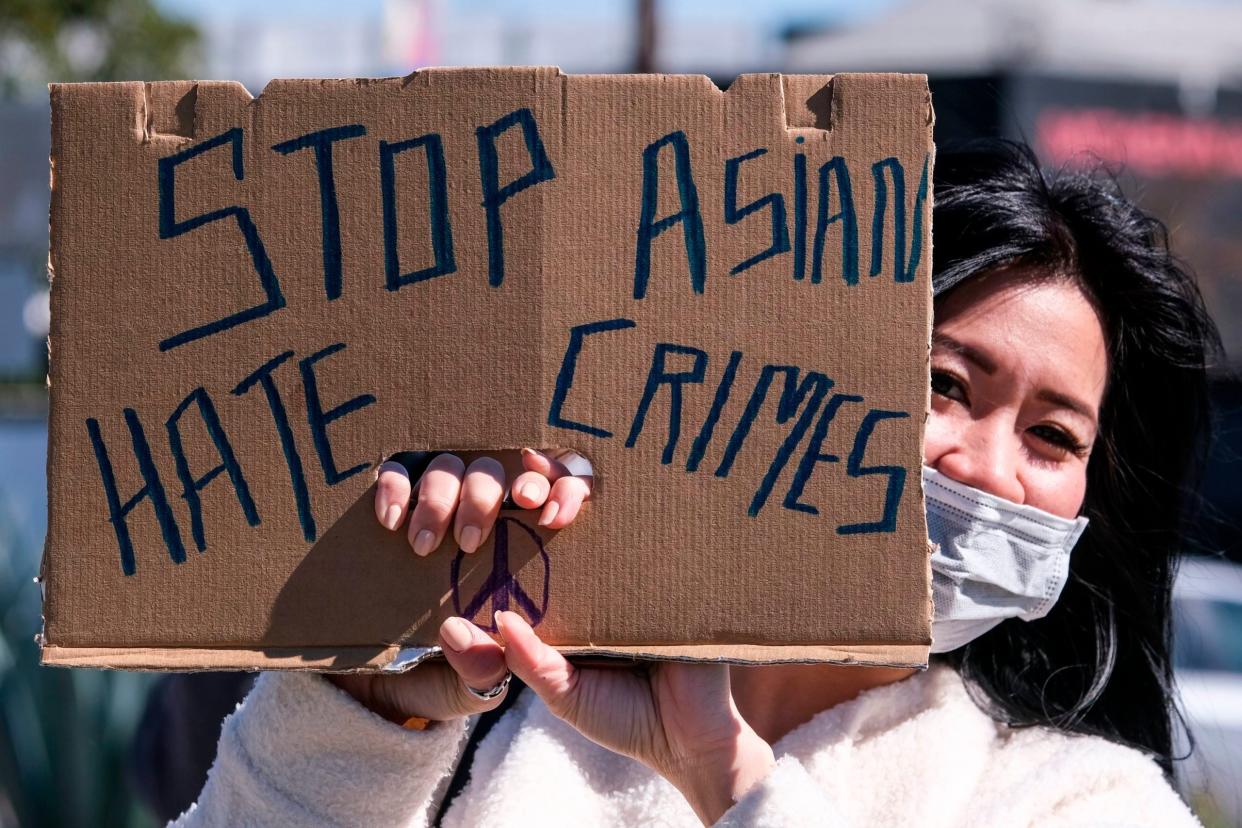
pixel 720 297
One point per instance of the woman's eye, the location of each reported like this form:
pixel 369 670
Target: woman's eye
pixel 947 385
pixel 1061 439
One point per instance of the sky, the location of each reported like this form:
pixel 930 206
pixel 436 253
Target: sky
pixel 764 12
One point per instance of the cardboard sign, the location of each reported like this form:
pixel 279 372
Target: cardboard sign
pixel 721 298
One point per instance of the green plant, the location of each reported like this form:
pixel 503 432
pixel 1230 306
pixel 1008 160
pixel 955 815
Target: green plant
pixel 63 733
pixel 88 40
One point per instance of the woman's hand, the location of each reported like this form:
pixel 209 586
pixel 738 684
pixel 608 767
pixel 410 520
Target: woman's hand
pixel 469 499
pixel 435 690
pixel 677 718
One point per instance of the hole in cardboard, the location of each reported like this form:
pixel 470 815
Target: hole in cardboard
pixel 409 596
pixel 415 462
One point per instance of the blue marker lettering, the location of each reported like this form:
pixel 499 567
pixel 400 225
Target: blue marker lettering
pixel 152 488
pixel 330 217
pixel 688 216
pixel 896 475
pixel 437 205
pixel 773 201
pixel 494 195
pixel 845 215
pixel 228 463
pixel 171 228
pixel 903 268
pixel 263 376
pixel 319 419
pixel 660 375
pixel 814 454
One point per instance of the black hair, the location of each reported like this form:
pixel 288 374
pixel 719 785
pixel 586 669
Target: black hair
pixel 1099 662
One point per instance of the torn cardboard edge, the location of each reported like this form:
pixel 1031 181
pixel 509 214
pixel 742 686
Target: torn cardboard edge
pixel 399 660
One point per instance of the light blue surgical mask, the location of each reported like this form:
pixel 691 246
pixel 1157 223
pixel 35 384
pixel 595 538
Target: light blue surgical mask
pixel 993 559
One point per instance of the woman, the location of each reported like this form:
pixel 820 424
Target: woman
pixel 1068 382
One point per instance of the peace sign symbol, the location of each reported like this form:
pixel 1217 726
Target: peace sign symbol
pixel 501 585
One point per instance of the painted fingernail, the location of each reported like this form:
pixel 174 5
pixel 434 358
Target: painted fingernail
pixel 549 513
pixel 424 542
pixel 392 517
pixel 470 538
pixel 456 634
pixel 530 491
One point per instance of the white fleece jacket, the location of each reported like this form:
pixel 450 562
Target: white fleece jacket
pixel 298 751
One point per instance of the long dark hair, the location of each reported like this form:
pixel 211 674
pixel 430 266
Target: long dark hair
pixel 1099 662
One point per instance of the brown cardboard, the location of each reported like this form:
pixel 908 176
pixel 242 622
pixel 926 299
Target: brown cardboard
pixel 663 561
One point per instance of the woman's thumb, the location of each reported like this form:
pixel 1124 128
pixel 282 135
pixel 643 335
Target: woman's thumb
pixel 477 660
pixel 542 668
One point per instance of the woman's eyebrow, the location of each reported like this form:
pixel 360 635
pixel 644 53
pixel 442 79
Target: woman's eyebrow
pixel 1066 401
pixel 971 354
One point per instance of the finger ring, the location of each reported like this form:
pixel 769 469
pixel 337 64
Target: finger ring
pixel 491 693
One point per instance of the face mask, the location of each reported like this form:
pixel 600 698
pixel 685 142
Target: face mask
pixel 994 560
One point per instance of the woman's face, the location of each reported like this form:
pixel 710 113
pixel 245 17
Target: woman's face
pixel 1018 369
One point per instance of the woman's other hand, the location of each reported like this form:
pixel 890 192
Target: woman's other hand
pixel 435 690
pixel 468 499
pixel 675 717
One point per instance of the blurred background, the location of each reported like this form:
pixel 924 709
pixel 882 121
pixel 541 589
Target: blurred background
pixel 1153 87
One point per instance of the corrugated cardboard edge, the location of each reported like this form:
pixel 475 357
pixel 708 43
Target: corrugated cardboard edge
pixel 929 206
pixel 395 659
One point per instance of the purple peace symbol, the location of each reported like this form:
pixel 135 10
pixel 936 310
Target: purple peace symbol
pixel 501 585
